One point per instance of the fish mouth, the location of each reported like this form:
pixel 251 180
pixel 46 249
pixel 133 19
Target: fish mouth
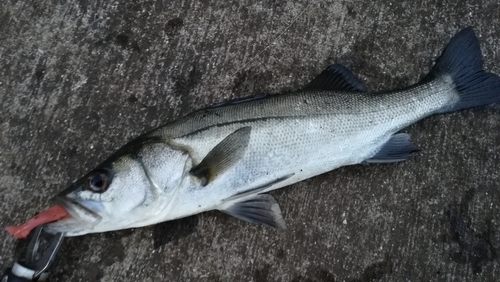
pixel 83 210
pixel 83 217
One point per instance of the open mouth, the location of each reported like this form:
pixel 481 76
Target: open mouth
pixel 82 210
pixel 81 217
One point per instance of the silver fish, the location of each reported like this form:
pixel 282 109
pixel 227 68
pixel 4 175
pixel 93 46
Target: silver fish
pixel 226 157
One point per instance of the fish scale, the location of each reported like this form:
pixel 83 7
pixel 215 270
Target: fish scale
pixel 308 145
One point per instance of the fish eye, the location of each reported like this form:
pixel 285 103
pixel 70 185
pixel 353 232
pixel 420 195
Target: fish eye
pixel 98 181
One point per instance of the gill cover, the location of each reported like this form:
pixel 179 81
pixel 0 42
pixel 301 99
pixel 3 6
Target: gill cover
pixel 133 188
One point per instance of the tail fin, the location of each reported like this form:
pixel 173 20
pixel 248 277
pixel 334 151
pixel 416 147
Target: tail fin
pixel 462 60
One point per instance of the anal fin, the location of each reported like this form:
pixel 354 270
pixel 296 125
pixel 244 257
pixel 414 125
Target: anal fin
pixel 397 149
pixel 260 209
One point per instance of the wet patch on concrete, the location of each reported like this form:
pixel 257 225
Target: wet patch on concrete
pixel 251 82
pixel 262 274
pixel 173 26
pixel 184 84
pixel 475 248
pixel 173 231
pixel 376 271
pixel 315 275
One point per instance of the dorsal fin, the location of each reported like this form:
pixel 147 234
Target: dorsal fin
pixel 336 77
pixel 239 100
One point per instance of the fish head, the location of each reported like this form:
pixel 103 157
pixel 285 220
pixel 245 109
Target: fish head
pixel 130 190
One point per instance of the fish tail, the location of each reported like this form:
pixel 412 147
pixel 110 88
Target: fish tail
pixel 462 61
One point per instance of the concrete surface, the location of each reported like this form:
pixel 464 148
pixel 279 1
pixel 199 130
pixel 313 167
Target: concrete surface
pixel 79 78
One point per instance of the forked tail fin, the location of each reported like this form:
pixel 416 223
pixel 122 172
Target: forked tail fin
pixel 462 60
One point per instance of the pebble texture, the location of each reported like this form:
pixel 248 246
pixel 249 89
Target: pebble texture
pixel 79 78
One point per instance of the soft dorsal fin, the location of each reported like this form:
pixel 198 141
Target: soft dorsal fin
pixel 336 77
pixel 223 156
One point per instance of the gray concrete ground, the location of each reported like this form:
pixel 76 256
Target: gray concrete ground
pixel 78 78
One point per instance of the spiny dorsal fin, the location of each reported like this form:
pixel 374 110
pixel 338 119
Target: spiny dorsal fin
pixel 260 209
pixel 239 100
pixel 228 152
pixel 336 77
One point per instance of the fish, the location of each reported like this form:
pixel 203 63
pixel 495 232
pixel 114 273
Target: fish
pixel 227 157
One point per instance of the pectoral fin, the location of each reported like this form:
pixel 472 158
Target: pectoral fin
pixel 397 149
pixel 260 209
pixel 223 156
